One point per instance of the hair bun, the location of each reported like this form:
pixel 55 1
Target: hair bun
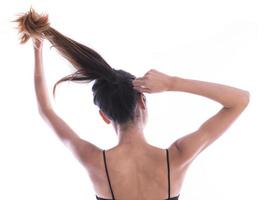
pixel 32 24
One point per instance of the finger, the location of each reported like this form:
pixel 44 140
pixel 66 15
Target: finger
pixel 35 46
pixel 141 89
pixel 139 81
pixel 147 90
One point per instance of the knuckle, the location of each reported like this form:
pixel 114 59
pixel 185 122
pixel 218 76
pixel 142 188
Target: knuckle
pixel 147 77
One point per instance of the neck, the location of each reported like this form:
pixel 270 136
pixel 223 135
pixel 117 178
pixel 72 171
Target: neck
pixel 132 135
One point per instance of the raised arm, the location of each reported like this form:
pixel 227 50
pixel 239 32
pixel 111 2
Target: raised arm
pixel 89 65
pixel 233 100
pixel 83 150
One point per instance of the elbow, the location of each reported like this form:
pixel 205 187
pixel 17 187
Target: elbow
pixel 245 98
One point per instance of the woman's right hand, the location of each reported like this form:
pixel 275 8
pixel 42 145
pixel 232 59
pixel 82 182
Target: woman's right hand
pixel 152 82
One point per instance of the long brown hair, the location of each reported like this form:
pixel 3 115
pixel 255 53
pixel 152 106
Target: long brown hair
pixel 113 90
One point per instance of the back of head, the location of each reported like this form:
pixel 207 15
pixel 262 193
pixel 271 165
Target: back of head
pixel 116 99
pixel 112 90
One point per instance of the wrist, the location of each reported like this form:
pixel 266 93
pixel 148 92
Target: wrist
pixel 37 50
pixel 170 82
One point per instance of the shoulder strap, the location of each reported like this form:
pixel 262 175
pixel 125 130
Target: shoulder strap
pixel 168 172
pixel 104 157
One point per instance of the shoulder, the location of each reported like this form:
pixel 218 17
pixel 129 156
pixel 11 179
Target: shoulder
pixel 92 156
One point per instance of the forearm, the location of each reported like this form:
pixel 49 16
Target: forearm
pixel 226 95
pixel 40 84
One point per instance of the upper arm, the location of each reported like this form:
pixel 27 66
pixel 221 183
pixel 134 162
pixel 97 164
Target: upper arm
pixel 189 146
pixel 83 150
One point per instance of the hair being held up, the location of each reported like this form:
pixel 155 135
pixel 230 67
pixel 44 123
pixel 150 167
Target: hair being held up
pixel 89 64
pixel 113 90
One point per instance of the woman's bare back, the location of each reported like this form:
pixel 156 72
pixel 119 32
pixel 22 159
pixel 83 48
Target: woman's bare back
pixel 137 172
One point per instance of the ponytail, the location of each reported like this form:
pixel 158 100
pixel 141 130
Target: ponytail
pixel 89 64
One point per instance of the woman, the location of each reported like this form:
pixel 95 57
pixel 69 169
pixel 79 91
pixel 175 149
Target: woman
pixel 133 169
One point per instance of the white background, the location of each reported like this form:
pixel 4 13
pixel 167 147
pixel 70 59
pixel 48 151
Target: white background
pixel 228 42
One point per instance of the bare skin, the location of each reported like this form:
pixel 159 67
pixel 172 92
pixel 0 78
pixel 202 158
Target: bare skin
pixel 136 168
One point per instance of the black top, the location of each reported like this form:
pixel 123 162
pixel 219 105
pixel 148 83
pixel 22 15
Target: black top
pixel 168 175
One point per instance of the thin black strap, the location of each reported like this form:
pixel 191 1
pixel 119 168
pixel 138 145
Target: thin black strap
pixel 168 172
pixel 104 156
